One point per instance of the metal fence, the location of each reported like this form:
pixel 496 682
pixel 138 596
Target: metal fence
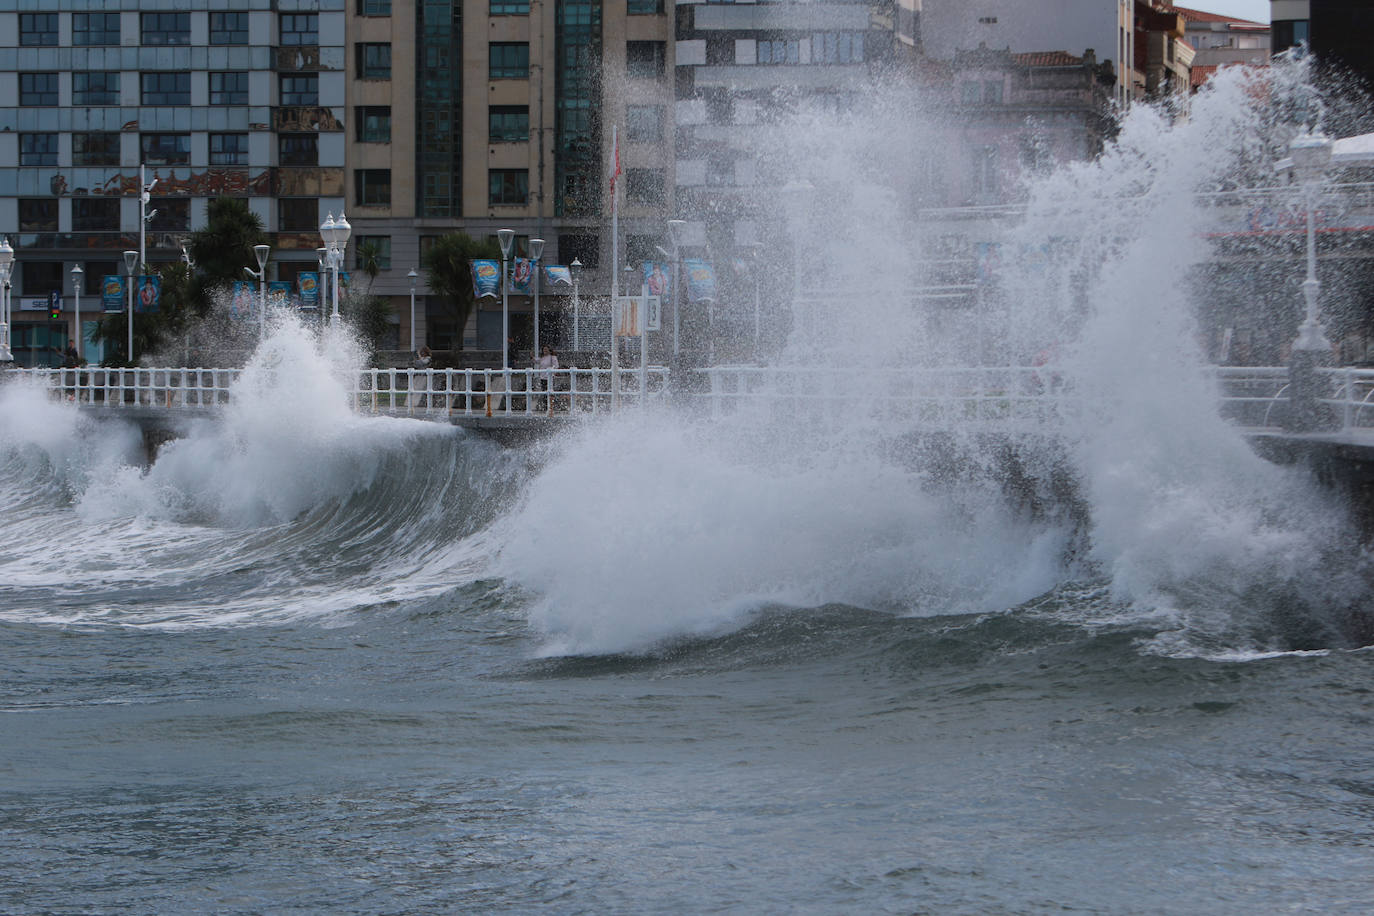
pixel 1253 396
pixel 426 392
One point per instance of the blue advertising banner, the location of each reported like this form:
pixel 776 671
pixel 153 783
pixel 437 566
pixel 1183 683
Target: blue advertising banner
pixel 657 276
pixel 701 280
pixel 555 274
pixel 521 279
pixel 112 294
pixel 308 282
pixel 148 293
pixel 244 300
pixel 279 293
pixel 486 278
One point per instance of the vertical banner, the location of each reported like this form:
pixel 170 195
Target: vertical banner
pixel 521 279
pixel 555 274
pixel 112 294
pixel 486 278
pixel 244 300
pixel 701 280
pixel 148 293
pixel 658 279
pixel 308 287
pixel 279 293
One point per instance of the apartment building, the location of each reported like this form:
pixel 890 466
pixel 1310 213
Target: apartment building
pixel 244 103
pixel 477 115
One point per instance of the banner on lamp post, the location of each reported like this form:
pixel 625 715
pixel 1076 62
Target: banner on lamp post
pixel 112 294
pixel 486 278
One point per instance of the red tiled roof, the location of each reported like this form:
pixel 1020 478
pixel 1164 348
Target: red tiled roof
pixel 1047 59
pixel 1200 16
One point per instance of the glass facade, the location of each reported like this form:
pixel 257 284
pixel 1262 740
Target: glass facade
pixel 577 103
pixel 438 108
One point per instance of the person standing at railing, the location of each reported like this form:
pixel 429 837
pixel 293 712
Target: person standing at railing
pixel 547 362
pixel 419 380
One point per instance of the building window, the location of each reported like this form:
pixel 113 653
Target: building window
pixel 509 60
pixel 508 124
pixel 95 214
pixel 38 89
pixel 90 30
pixel 170 214
pixel 644 186
pixel 372 187
pixel 166 28
pixel 42 277
pixel 298 214
pixel 229 88
pixel 837 48
pixel 646 58
pixel 165 149
pixel 779 51
pixel 643 7
pixel 373 60
pixel 298 149
pixel 372 123
pixel 381 244
pixel 374 7
pixel 508 7
pixel 228 28
pixel 228 149
pixel 644 123
pixel 165 88
pixel 300 89
pixel 992 92
pixel 38 30
pixel 38 214
pixel 584 248
pixel 38 149
pixel 97 87
pixel 95 149
pixel 985 170
pixel 300 29
pixel 508 187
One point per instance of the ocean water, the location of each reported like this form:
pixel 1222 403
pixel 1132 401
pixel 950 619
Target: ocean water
pixel 395 668
pixel 312 662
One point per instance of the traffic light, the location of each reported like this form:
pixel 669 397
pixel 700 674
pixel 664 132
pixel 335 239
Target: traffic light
pixel 55 307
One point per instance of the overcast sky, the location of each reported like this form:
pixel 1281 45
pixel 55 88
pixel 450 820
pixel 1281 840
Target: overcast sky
pixel 1254 10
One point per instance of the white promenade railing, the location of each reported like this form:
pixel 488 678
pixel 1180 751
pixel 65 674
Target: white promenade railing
pixel 434 393
pixel 1009 396
pixel 1255 397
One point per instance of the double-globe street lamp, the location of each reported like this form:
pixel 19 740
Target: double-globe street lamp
pixel 6 264
pixel 334 233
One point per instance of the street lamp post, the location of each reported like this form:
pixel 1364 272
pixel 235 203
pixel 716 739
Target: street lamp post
pixel 76 290
pixel 335 234
pixel 260 252
pixel 675 236
pixel 576 271
pixel 413 276
pixel 506 237
pixel 143 215
pixel 323 255
pixel 536 251
pixel 130 264
pixel 6 264
pixel 1309 156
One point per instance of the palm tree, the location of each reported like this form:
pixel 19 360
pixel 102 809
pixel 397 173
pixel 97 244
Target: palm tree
pixel 448 272
pixel 370 261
